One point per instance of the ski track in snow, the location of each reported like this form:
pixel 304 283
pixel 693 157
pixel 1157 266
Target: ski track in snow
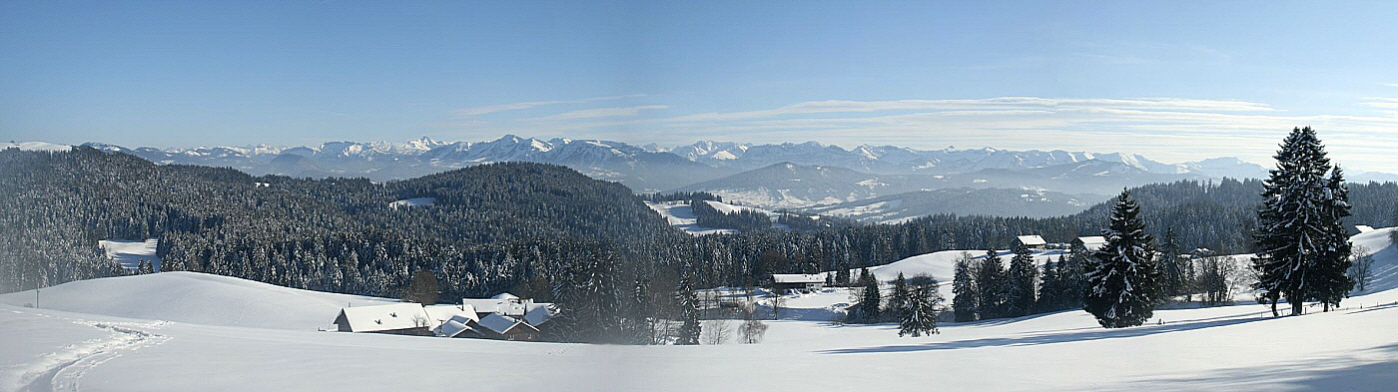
pixel 63 370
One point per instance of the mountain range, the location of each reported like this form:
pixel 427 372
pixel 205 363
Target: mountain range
pixel 787 175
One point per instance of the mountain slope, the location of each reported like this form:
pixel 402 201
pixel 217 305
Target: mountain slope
pixel 960 201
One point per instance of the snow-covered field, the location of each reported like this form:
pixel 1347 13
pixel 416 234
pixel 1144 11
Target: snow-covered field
pixel 130 253
pixel 681 216
pixel 188 331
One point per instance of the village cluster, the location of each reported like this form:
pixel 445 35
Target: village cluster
pixel 501 317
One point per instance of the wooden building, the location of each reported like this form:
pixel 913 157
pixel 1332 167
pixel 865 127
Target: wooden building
pixel 401 319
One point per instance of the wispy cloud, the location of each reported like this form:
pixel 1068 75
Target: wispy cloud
pixel 602 113
pixel 1170 129
pixel 479 110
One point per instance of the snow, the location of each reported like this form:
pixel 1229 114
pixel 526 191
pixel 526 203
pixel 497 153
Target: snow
pixel 413 202
pixel 385 317
pixel 123 345
pixel 130 253
pixel 681 216
pixel 36 146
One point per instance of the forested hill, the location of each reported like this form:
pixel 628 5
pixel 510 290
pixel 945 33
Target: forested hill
pixel 341 235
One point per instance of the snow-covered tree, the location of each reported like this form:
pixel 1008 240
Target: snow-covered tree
pixel 963 288
pixel 1300 240
pixel 871 300
pixel 688 303
pixel 899 299
pixel 990 285
pixel 1122 283
pixel 1019 288
pixel 919 316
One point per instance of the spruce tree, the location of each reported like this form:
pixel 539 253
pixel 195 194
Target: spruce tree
pixel 1122 283
pixel 688 304
pixel 1331 281
pixel 990 286
pixel 1172 282
pixel 919 317
pixel 1299 237
pixel 963 288
pixel 899 299
pixel 869 304
pixel 1050 287
pixel 1019 289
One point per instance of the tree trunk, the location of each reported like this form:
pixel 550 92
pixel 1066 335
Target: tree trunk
pixel 1274 308
pixel 1296 308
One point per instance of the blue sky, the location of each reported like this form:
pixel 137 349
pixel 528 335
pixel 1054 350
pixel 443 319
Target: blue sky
pixel 1173 81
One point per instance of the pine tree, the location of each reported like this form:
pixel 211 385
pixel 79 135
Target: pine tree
pixel 688 303
pixel 1050 287
pixel 919 316
pixel 963 288
pixel 871 300
pixel 1122 284
pixel 990 284
pixel 1331 281
pixel 1172 282
pixel 899 299
pixel 1019 288
pixel 1299 234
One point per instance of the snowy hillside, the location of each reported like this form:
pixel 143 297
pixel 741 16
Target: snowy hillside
pixel 682 216
pixel 186 331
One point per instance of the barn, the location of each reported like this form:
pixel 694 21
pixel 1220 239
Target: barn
pixel 1090 243
pixel 787 282
pixel 400 319
pixel 1031 242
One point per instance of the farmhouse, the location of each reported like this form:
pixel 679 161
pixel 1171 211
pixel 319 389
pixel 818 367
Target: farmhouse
pixel 401 319
pixel 504 316
pixel 496 326
pixel 1031 242
pixel 1090 243
pixel 787 282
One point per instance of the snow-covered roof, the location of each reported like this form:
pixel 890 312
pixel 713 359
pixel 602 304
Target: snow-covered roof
pixel 502 324
pixel 1092 242
pixel 798 278
pixel 442 313
pixel 1363 228
pixel 384 317
pixel 1031 240
pixel 538 314
pixel 452 327
pixel 509 306
pixel 505 296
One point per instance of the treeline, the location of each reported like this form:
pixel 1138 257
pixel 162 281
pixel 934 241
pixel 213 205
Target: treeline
pixel 524 228
pixel 680 196
pixel 705 215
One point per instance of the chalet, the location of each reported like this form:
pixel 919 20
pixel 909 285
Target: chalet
pixel 1031 242
pixel 1090 243
pixel 787 282
pixel 496 326
pixel 456 327
pixel 401 319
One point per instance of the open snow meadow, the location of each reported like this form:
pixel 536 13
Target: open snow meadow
pixel 191 331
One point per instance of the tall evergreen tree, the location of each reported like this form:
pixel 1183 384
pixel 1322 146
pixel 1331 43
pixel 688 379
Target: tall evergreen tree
pixel 1019 288
pixel 1299 238
pixel 963 288
pixel 1331 281
pixel 899 299
pixel 871 300
pixel 919 316
pixel 990 284
pixel 1050 287
pixel 1122 283
pixel 1172 275
pixel 688 303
